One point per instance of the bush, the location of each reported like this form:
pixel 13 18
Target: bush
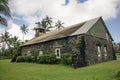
pixel 66 59
pixel 29 58
pixel 41 58
pixel 20 59
pixel 47 58
pixel 14 58
pixel 52 59
pixel 25 59
pixel 118 75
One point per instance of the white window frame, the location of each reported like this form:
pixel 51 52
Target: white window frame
pixel 57 52
pixel 40 52
pixel 99 51
pixel 105 51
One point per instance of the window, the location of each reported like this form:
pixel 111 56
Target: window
pixel 99 51
pixel 57 52
pixel 40 53
pixel 105 50
pixel 28 53
pixel 107 37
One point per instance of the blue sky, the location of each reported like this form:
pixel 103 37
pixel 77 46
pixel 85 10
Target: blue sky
pixel 69 11
pixel 114 27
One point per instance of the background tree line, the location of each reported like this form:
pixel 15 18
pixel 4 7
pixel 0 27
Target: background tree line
pixel 117 47
pixel 9 45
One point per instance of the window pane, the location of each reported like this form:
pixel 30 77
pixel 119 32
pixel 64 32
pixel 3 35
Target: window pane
pixel 107 36
pixel 57 52
pixel 99 51
pixel 40 53
pixel 105 51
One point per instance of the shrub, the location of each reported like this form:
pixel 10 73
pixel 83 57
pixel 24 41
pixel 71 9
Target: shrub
pixel 33 59
pixel 20 59
pixel 28 59
pixel 118 75
pixel 52 59
pixel 41 58
pixel 14 58
pixel 25 59
pixel 47 58
pixel 66 59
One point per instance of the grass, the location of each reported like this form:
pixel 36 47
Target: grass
pixel 33 71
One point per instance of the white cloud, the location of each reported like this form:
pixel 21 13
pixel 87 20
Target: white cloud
pixel 2 30
pixel 14 29
pixel 34 10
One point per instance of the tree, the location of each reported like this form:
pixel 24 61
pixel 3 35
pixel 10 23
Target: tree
pixel 11 45
pixel 59 25
pixel 46 23
pixel 5 40
pixel 48 20
pixel 24 30
pixel 15 43
pixel 4 12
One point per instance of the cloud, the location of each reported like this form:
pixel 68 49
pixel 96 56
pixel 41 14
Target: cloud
pixel 2 30
pixel 32 11
pixel 14 29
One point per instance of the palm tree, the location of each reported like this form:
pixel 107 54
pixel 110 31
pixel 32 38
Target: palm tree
pixel 24 30
pixel 4 11
pixel 46 23
pixel 48 20
pixel 15 43
pixel 59 25
pixel 5 38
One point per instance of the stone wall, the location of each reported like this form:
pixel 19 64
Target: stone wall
pixel 92 50
pixel 65 45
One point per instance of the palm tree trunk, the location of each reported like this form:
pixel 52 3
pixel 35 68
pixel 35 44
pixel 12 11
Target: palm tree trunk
pixel 23 37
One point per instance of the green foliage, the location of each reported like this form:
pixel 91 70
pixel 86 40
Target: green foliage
pixel 29 58
pixel 118 75
pixel 0 53
pixel 59 25
pixel 4 12
pixel 25 59
pixel 20 59
pixel 6 54
pixel 11 43
pixel 47 59
pixel 24 30
pixel 66 59
pixel 77 44
pixel 14 58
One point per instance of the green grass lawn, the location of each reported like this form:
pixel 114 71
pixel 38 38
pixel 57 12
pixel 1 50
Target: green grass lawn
pixel 33 71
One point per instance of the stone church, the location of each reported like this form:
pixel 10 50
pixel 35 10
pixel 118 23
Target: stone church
pixel 90 40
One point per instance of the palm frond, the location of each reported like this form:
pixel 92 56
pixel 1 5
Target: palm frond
pixel 3 21
pixel 24 29
pixel 3 1
pixel 4 9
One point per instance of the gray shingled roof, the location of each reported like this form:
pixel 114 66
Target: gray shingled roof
pixel 76 29
pixel 86 26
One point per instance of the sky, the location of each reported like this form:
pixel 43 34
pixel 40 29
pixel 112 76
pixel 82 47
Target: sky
pixel 68 11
